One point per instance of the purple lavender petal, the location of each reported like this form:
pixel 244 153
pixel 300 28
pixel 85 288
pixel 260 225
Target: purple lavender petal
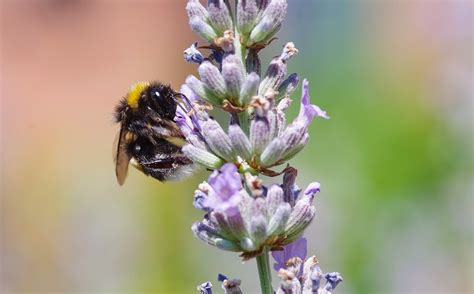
pixel 295 249
pixel 226 185
pixel 309 111
pixel 312 188
pixel 226 181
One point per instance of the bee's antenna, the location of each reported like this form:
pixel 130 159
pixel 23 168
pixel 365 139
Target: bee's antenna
pixel 183 98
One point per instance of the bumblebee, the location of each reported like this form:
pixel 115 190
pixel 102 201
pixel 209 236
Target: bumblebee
pixel 149 138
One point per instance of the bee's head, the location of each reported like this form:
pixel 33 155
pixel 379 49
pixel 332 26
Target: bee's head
pixel 160 98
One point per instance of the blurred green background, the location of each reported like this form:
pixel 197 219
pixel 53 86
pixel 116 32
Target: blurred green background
pixel 395 160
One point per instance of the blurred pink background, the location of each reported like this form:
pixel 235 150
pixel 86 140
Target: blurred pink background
pixel 396 76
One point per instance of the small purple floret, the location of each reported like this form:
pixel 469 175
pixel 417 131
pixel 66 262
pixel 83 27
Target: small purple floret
pixel 312 188
pixel 309 111
pixel 332 279
pixel 295 249
pixel 192 54
pixel 226 185
pixel 200 200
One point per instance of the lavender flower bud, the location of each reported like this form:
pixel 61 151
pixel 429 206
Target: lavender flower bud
pixel 213 79
pixel 237 225
pixel 302 213
pixel 284 144
pixel 247 12
pixel 332 280
pixel 270 22
pixel 194 8
pixel 217 140
pixel 275 74
pixel 219 16
pixel 202 156
pixel 273 152
pixel 274 199
pixel 240 142
pixel 277 69
pixel 209 235
pixel 220 221
pixel 202 91
pixel 202 28
pixel 192 54
pixel 296 148
pixel 315 278
pixel 205 288
pixel 288 86
pixel 249 88
pixel 258 229
pixel 259 134
pixel 234 74
pixel 279 219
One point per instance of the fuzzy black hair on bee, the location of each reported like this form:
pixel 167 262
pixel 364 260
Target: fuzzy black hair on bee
pixel 149 138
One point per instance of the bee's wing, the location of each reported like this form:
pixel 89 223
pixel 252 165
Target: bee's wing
pixel 121 156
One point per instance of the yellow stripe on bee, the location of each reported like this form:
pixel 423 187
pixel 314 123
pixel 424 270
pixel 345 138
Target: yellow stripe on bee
pixel 134 93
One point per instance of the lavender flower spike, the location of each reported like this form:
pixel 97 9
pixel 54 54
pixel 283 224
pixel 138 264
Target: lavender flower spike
pixel 249 223
pixel 241 213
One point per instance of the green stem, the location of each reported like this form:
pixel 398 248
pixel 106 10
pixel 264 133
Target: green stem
pixel 264 272
pixel 244 121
